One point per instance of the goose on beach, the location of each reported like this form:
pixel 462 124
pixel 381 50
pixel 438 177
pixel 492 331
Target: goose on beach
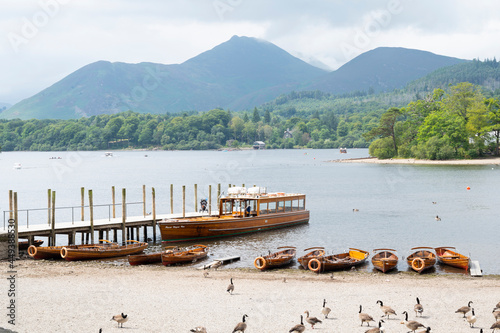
pixel 199 329
pixel 378 329
pixel 412 324
pixel 464 309
pixel 495 326
pixel 471 319
pixel 241 326
pixel 299 328
pixel 326 310
pixel 387 310
pixel 418 308
pixel 120 319
pixel 496 313
pixel 230 287
pixel 312 320
pixel 364 317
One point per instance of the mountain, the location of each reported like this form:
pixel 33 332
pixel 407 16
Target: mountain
pixel 229 74
pixel 4 106
pixel 380 70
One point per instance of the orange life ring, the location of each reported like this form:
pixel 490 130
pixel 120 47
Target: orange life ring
pixel 417 264
pixel 64 252
pixel 314 265
pixel 260 263
pixel 32 250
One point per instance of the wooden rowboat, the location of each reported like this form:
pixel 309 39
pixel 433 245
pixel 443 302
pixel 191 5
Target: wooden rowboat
pixel 51 252
pixel 102 251
pixel 384 259
pixel 317 252
pixel 277 259
pixel 338 261
pixel 23 245
pixel 144 259
pixel 422 259
pixel 174 255
pixel 448 257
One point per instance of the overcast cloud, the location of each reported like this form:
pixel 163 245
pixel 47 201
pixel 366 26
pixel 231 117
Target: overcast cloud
pixel 42 41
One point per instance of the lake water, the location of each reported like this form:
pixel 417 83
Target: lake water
pixel 395 202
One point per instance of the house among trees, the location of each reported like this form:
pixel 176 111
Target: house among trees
pixel 288 134
pixel 259 145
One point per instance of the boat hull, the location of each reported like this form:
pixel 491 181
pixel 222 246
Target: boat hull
pixel 304 260
pixel 274 260
pixel 181 230
pixel 339 261
pixel 49 252
pixel 421 260
pixel 102 251
pixel 25 244
pixel 181 257
pixel 448 257
pixel 385 261
pixel 144 259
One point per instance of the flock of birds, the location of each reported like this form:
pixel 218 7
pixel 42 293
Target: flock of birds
pixel 412 325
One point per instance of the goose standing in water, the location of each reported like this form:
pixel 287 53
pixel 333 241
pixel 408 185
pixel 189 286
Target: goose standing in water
pixel 299 328
pixel 312 320
pixel 120 319
pixel 241 326
pixel 412 324
pixel 364 317
pixel 387 310
pixel 326 310
pixel 418 308
pixel 464 309
pixel 230 287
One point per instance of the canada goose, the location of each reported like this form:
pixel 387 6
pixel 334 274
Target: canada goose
pixel 427 330
pixel 120 319
pixel 471 319
pixel 216 265
pixel 199 329
pixel 412 324
pixel 498 305
pixel 230 288
pixel 299 328
pixel 378 329
pixel 495 326
pixel 496 313
pixel 355 210
pixel 387 310
pixel 312 320
pixel 205 274
pixel 418 308
pixel 364 317
pixel 326 310
pixel 242 326
pixel 464 309
pixel 438 218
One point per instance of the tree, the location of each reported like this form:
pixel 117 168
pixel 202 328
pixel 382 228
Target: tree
pixel 267 116
pixel 493 120
pixel 256 115
pixel 386 127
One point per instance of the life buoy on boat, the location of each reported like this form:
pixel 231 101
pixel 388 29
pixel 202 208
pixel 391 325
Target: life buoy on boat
pixel 64 252
pixel 417 264
pixel 260 263
pixel 32 250
pixel 314 265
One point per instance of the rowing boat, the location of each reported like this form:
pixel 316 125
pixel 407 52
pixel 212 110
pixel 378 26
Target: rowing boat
pixel 448 257
pixel 175 255
pixel 277 259
pixel 422 259
pixel 317 251
pixel 23 245
pixel 384 259
pixel 102 251
pixel 51 252
pixel 338 261
pixel 144 259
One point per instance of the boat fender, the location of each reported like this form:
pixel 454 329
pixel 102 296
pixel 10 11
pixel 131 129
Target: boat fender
pixel 32 250
pixel 64 252
pixel 314 265
pixel 417 264
pixel 260 263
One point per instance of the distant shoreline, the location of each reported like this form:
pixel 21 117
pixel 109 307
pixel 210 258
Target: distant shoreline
pixel 374 160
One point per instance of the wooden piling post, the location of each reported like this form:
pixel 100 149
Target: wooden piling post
pixel 11 209
pixel 124 215
pixel 209 199
pixel 16 226
pixel 72 238
pixel 113 200
pixel 49 194
pixel 218 194
pixel 171 198
pixel 91 208
pixel 115 235
pixel 196 197
pixel 183 200
pixel 154 216
pixel 82 190
pixel 144 200
pixel 53 217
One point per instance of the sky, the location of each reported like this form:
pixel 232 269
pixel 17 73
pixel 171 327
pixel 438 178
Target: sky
pixel 42 41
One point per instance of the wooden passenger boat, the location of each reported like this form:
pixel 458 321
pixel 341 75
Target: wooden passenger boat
pixel 338 261
pixel 240 212
pixel 102 251
pixel 174 255
pixel 277 259
pixel 384 259
pixel 448 257
pixel 144 259
pixel 317 251
pixel 23 245
pixel 422 259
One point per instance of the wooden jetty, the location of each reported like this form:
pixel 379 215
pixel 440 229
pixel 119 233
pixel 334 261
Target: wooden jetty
pixel 219 262
pixel 474 268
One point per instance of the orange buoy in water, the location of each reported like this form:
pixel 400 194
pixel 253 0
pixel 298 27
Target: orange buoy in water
pixel 468 188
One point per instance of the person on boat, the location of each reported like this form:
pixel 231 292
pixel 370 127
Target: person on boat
pixel 203 204
pixel 247 210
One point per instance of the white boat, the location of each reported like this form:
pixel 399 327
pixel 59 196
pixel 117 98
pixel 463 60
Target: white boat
pixel 17 166
pixel 108 154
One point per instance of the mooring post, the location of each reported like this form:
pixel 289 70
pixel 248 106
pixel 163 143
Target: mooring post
pixel 171 198
pixel 53 217
pixel 91 207
pixel 82 192
pixel 16 226
pixel 196 197
pixel 49 194
pixel 113 199
pixel 154 217
pixel 209 199
pixel 218 194
pixel 124 215
pixel 183 200
pixel 144 200
pixel 11 210
pixel 72 238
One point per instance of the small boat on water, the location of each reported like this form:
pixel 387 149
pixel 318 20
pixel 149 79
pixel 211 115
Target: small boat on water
pixel 317 251
pixel 144 259
pixel 448 257
pixel 174 255
pixel 240 212
pixel 24 245
pixel 277 259
pixel 422 259
pixel 384 259
pixel 102 251
pixel 338 261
